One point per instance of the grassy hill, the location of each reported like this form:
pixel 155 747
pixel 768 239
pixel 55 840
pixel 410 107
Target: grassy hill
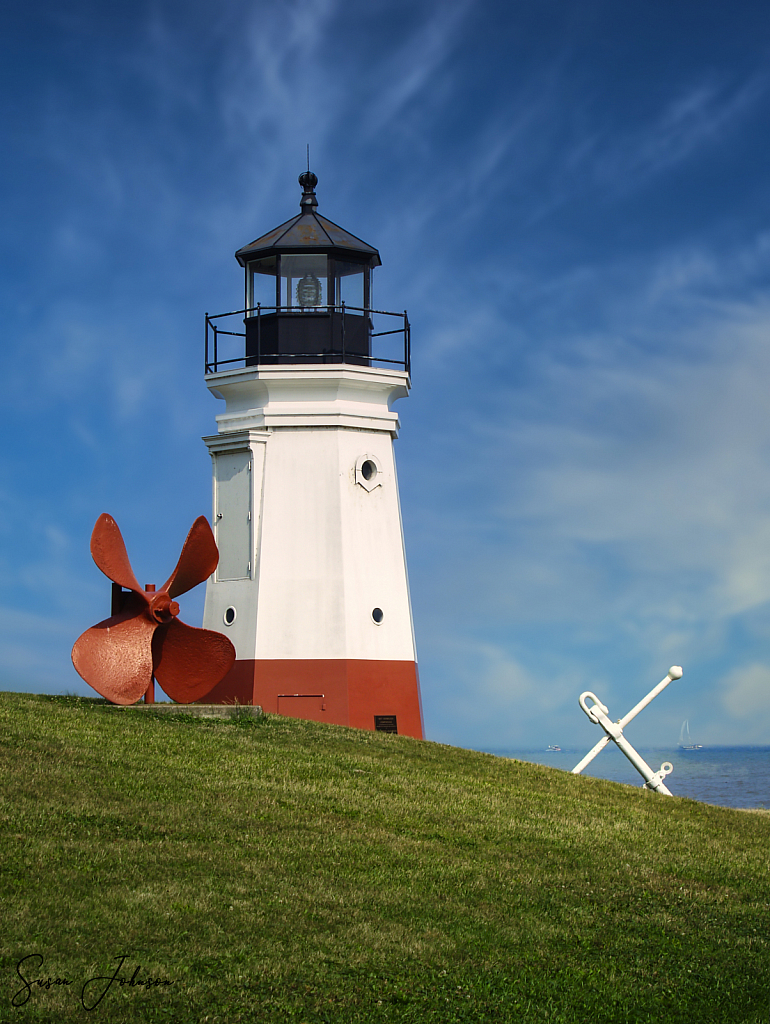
pixel 284 871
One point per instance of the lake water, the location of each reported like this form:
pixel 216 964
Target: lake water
pixel 727 776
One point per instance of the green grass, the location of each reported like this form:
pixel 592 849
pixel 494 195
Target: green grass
pixel 284 871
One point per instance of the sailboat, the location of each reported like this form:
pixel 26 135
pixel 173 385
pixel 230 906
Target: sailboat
pixel 684 738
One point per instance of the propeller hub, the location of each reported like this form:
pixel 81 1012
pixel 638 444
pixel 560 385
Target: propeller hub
pixel 162 608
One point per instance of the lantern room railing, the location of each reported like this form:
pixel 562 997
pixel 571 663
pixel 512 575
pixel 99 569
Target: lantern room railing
pixel 328 337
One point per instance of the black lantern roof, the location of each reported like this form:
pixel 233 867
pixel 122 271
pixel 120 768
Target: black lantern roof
pixel 309 232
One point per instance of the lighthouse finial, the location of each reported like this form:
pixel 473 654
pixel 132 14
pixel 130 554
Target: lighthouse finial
pixel 308 181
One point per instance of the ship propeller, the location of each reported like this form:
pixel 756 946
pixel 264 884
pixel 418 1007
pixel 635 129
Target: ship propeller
pixel 145 639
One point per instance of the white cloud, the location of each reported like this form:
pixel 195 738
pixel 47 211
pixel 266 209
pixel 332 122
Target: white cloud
pixel 616 507
pixel 745 697
pixel 659 456
pixel 493 693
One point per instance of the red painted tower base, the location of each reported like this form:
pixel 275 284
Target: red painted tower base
pixel 382 695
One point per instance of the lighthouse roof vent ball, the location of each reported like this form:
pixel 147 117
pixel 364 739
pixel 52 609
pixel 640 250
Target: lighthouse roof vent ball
pixel 144 639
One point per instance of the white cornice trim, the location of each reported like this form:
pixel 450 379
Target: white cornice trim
pixel 235 440
pixel 309 371
pixel 333 395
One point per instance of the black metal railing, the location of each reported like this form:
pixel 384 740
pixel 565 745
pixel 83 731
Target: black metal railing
pixel 279 334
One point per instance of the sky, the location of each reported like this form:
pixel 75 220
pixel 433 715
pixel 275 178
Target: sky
pixel 573 203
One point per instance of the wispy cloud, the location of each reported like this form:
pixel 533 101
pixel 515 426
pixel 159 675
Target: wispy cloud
pixel 411 71
pixel 689 124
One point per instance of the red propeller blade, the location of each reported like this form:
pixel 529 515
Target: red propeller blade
pixel 115 657
pixel 109 553
pixel 189 662
pixel 198 560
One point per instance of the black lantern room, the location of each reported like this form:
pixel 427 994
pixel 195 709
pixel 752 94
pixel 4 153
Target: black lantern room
pixel 308 290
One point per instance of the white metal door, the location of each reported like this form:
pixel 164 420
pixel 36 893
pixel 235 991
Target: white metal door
pixel 233 514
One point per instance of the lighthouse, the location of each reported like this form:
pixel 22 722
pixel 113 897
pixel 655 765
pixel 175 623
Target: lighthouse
pixel 311 585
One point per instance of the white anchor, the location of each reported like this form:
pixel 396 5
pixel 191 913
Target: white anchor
pixel 597 712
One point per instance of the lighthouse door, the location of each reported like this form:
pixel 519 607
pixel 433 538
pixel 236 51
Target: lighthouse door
pixel 303 705
pixel 232 498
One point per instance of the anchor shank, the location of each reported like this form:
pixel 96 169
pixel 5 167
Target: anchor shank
pixel 673 673
pixel 591 755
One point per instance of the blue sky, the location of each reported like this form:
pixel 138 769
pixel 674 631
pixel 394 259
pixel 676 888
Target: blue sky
pixel 573 203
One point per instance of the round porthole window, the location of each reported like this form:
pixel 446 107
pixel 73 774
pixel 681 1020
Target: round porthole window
pixel 377 615
pixel 368 472
pixel 229 616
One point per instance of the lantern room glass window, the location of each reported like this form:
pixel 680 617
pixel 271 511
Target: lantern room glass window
pixel 304 282
pixel 260 284
pixel 350 278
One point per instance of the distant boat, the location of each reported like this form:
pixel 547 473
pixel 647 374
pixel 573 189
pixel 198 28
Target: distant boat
pixel 685 743
pixel 552 747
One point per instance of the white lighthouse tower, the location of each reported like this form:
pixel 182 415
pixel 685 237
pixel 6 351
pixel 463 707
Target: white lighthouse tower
pixel 311 585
